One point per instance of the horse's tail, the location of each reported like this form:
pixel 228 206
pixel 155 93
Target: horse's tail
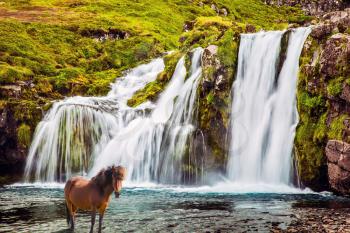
pixel 67 189
pixel 68 215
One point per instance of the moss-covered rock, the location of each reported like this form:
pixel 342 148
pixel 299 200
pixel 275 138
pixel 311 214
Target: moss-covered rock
pixel 151 91
pixel 215 97
pixel 322 100
pixel 24 135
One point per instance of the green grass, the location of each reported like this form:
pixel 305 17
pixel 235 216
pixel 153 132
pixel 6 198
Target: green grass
pixel 335 86
pixel 24 135
pixel 51 44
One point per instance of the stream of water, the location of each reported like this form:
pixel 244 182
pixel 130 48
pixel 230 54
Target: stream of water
pixel 264 114
pixel 154 208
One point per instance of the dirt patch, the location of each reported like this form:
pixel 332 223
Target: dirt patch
pixel 32 14
pixel 39 14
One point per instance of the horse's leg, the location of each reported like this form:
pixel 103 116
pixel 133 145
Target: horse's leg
pixel 102 212
pixel 73 213
pixel 93 216
pixel 70 214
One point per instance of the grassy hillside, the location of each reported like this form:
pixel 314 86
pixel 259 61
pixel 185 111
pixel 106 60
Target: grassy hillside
pixel 53 40
pixel 55 48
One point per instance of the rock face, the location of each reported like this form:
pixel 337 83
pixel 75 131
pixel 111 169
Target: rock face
pixel 336 53
pixel 323 98
pixel 18 119
pixel 11 153
pixel 338 155
pixel 312 7
pixel 213 114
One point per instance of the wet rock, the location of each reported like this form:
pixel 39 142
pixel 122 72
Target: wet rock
pixel 214 8
pixel 340 19
pixel 250 28
pixel 337 107
pixel 10 91
pixel 293 25
pixel 345 95
pixel 10 154
pixel 102 35
pixel 214 89
pixel 321 30
pixel 223 12
pixel 188 26
pixel 212 49
pixel 209 59
pixel 220 11
pixel 331 23
pixel 339 179
pixel 338 155
pixel 3 118
pixel 312 7
pixel 335 55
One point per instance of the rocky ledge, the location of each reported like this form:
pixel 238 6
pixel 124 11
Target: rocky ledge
pixel 338 156
pixel 312 7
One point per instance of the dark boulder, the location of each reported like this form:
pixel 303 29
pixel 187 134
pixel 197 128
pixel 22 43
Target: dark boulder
pixel 338 155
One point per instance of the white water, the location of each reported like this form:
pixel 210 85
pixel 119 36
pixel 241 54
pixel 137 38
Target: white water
pixel 76 129
pixel 264 116
pixel 152 148
pixel 81 135
pixel 84 134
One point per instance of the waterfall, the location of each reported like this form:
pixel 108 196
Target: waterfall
pixel 76 129
pixel 153 147
pixel 264 115
pixel 81 135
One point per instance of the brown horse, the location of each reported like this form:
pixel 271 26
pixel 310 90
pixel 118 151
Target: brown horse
pixel 93 195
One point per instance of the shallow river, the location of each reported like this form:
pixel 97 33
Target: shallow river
pixel 40 208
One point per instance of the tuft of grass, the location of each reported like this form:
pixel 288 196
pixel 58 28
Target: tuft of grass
pixel 336 128
pixel 335 86
pixel 24 135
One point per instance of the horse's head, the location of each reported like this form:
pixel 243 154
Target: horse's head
pixel 118 175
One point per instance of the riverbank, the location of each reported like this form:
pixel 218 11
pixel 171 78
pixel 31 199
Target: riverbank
pixel 318 219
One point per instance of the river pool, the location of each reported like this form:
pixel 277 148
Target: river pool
pixel 41 208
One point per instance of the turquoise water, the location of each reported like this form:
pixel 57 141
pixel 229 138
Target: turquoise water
pixel 159 209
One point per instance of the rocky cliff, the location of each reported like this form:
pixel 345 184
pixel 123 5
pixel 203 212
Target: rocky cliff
pixel 338 155
pixel 323 102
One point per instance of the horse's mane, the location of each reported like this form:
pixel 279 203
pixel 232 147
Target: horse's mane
pixel 103 178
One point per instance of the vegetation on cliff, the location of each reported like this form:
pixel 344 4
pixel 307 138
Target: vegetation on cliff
pixel 56 48
pixel 323 100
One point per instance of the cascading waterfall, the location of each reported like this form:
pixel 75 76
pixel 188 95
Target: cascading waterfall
pixel 152 147
pixel 76 129
pixel 150 140
pixel 264 114
pixel 81 135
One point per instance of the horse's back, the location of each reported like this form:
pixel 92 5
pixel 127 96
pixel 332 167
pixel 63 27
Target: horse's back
pixel 77 190
pixel 70 183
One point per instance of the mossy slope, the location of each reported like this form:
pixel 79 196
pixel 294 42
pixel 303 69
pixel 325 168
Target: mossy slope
pixel 323 111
